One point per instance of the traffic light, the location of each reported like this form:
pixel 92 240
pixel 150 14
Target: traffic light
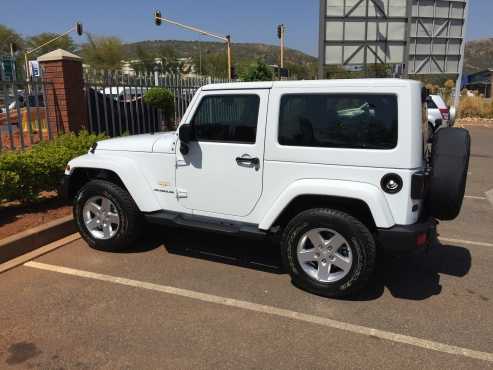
pixel 79 29
pixel 157 17
pixel 279 31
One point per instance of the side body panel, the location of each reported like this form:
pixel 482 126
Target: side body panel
pixel 209 177
pixel 149 177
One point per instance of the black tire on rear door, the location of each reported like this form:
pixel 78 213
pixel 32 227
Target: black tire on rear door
pixel 450 153
pixel 106 216
pixel 320 237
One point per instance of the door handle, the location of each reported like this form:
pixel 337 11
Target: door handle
pixel 248 161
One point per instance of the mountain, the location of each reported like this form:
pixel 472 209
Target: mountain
pixel 241 51
pixel 478 55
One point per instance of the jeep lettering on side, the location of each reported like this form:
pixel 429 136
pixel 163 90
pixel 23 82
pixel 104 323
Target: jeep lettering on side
pixel 336 169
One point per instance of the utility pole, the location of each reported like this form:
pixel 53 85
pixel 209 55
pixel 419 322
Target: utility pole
pixel 281 33
pixel 158 18
pixel 12 61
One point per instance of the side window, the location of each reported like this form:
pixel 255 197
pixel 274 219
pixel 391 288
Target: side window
pixel 339 121
pixel 227 118
pixel 431 104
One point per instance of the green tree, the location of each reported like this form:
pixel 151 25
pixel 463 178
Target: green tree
pixel 379 70
pixel 258 71
pixel 144 60
pixel 302 71
pixel 169 61
pixel 103 52
pixel 338 72
pixel 65 43
pixel 213 64
pixel 8 36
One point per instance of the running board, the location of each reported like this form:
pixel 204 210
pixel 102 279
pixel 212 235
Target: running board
pixel 205 223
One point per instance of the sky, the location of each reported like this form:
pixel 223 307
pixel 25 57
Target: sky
pixel 245 20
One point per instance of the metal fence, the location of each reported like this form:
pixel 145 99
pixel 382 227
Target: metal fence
pixel 23 116
pixel 115 101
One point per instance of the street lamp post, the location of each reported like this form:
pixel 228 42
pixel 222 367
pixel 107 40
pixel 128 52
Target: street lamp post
pixel 227 39
pixel 78 28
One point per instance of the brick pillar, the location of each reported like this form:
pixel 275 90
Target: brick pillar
pixel 64 99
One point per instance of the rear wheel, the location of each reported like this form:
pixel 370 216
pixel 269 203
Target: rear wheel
pixel 328 252
pixel 106 216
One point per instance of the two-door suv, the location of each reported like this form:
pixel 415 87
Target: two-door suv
pixel 334 169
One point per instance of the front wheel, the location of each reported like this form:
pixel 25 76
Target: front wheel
pixel 106 216
pixel 328 252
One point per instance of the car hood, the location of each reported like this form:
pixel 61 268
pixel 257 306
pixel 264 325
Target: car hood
pixel 159 142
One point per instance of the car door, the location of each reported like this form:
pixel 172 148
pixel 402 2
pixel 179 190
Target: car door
pixel 222 171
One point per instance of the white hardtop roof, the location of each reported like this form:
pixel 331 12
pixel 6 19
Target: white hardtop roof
pixel 362 82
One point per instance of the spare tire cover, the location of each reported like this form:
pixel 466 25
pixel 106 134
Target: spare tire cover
pixel 449 166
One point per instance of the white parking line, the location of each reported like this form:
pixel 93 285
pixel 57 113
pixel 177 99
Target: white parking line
pixel 474 197
pixel 460 241
pixel 255 307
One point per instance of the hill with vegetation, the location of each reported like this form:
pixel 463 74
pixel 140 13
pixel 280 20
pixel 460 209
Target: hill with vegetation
pixel 478 55
pixel 241 51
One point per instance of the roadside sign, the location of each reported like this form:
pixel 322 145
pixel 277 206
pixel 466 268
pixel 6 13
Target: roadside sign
pixel 7 68
pixel 426 36
pixel 34 68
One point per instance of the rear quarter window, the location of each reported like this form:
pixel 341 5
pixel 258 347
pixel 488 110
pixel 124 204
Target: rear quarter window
pixel 358 121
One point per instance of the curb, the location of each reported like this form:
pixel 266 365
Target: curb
pixel 29 240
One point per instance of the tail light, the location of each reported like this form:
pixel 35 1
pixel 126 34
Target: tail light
pixel 445 113
pixel 419 185
pixel 421 240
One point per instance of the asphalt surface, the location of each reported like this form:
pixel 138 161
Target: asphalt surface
pixel 129 316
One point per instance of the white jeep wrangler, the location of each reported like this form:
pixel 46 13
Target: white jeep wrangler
pixel 336 169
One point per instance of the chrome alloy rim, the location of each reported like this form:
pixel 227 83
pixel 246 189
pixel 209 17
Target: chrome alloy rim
pixel 324 255
pixel 101 217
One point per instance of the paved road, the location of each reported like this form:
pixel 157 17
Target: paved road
pixel 195 300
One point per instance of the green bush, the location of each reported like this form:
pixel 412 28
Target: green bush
pixel 24 174
pixel 161 98
pixel 258 71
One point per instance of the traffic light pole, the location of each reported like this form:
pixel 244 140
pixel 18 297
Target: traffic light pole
pixel 78 28
pixel 282 45
pixel 226 39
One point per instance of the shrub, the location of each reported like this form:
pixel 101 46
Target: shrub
pixel 24 174
pixel 475 107
pixel 161 98
pixel 258 71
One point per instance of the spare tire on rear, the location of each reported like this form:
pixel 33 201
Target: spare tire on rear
pixel 450 152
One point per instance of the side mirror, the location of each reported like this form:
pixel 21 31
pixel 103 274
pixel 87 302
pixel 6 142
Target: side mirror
pixel 186 133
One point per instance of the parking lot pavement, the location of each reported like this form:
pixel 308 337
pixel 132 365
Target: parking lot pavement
pixel 183 299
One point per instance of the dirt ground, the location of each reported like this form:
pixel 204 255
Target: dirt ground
pixel 15 217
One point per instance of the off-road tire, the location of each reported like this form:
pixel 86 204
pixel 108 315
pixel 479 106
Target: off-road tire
pixel 130 217
pixel 361 242
pixel 450 154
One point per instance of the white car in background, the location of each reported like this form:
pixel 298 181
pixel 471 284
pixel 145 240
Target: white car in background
pixel 438 113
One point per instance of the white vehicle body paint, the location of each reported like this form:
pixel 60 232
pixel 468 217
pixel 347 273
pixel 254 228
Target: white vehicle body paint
pixel 209 182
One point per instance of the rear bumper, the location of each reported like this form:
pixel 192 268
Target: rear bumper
pixel 406 238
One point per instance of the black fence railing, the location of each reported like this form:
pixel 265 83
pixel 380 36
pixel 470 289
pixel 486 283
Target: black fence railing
pixel 23 116
pixel 115 101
